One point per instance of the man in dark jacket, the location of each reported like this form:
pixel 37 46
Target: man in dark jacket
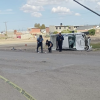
pixel 60 39
pixel 39 43
pixel 50 45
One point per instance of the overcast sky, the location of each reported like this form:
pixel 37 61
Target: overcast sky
pixel 22 14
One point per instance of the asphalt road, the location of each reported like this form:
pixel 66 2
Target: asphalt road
pixel 50 76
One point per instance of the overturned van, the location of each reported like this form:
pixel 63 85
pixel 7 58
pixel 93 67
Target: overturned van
pixel 74 41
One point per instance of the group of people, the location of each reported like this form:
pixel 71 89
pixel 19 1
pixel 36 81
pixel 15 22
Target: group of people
pixel 59 40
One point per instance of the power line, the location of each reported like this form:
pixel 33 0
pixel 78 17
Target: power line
pixel 87 8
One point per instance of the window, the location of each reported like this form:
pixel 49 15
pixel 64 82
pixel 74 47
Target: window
pixel 59 27
pixel 56 27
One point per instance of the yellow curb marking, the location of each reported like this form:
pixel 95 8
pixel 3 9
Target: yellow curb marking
pixel 23 92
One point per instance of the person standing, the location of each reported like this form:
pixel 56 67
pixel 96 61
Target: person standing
pixel 50 45
pixel 40 43
pixel 60 39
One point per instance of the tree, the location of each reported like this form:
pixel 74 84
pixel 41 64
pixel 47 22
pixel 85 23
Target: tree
pixel 66 31
pixel 92 32
pixel 55 32
pixel 37 25
pixel 42 26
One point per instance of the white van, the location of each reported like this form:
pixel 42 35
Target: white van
pixel 75 41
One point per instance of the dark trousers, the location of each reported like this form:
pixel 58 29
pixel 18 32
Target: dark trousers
pixel 40 45
pixel 60 46
pixel 50 49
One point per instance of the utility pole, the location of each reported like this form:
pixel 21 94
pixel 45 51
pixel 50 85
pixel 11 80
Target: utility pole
pixel 87 8
pixel 6 27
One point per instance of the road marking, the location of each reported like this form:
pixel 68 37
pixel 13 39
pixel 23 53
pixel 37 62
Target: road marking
pixel 23 92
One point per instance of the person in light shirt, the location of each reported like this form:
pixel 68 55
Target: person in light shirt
pixel 40 43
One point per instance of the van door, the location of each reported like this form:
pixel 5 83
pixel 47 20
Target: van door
pixel 80 42
pixel 65 44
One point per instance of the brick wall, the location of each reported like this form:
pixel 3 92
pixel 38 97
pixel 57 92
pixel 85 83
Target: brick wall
pixel 47 29
pixel 35 31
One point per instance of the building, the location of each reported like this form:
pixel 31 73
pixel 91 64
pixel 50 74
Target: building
pixel 61 27
pixel 37 31
pixel 18 34
pixel 53 28
pixel 86 28
pixel 23 34
pixel 26 36
pixel 47 30
pixel 10 34
pixel 34 31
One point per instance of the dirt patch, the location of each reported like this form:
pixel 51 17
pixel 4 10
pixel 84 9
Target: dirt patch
pixel 20 46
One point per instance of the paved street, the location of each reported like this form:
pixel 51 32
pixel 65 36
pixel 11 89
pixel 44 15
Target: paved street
pixel 60 76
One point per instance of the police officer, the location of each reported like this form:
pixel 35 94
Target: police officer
pixel 39 43
pixel 50 45
pixel 60 39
